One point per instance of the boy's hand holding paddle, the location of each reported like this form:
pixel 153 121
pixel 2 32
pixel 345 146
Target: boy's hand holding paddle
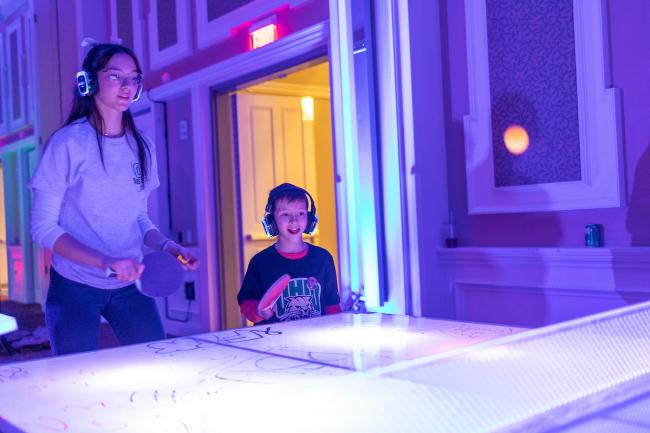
pixel 265 307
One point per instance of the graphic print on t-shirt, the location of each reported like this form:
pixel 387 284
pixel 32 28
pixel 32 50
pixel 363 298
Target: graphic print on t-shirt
pixel 300 300
pixel 137 175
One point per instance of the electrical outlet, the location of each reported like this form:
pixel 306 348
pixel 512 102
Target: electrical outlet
pixel 190 293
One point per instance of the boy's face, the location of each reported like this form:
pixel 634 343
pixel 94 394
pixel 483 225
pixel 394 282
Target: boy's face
pixel 290 217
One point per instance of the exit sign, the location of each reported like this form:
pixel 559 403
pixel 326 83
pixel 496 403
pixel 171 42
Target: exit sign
pixel 263 36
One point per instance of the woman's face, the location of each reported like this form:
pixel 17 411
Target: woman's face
pixel 118 84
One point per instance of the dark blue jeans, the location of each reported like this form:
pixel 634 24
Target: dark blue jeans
pixel 73 310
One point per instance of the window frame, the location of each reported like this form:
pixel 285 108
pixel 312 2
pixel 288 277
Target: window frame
pixel 183 47
pixel 13 123
pixel 137 26
pixel 602 175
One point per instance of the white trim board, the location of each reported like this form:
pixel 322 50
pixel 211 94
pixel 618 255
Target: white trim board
pixel 624 268
pixel 199 84
pixel 211 32
pixel 289 89
pixel 538 286
pixel 285 49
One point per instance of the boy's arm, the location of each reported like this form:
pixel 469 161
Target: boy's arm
pixel 333 309
pixel 331 290
pixel 248 296
pixel 249 309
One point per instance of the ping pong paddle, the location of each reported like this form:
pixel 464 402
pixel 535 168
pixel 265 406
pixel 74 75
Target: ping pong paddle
pixel 162 275
pixel 274 292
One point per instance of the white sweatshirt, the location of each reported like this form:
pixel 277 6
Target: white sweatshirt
pixel 103 207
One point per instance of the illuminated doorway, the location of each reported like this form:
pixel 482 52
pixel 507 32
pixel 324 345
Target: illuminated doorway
pixel 274 130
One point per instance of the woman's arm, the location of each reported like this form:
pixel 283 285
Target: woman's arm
pixel 46 231
pixel 70 248
pixel 126 269
pixel 45 228
pixel 159 242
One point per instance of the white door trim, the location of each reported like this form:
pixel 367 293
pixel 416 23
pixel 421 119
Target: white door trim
pixel 284 50
pixel 200 84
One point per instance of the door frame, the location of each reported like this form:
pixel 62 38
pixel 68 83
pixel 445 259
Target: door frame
pixel 231 239
pixel 356 264
pixel 292 50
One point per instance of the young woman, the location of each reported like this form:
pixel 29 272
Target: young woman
pixel 90 209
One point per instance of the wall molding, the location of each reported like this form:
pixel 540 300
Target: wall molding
pixel 602 177
pixel 221 28
pixel 556 267
pixel 560 282
pixel 289 89
pixel 202 84
pixel 286 49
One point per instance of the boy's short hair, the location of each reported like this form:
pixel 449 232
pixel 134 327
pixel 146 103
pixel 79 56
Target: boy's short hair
pixel 288 192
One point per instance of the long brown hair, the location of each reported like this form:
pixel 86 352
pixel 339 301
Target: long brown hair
pixel 85 106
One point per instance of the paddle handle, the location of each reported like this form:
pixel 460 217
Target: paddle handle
pixel 110 273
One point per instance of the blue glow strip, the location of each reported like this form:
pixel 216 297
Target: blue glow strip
pixel 358 171
pixel 390 182
pixel 351 158
pixel 341 42
pixel 367 227
pixel 365 190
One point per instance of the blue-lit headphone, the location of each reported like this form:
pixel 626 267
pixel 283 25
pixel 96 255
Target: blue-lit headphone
pixel 268 222
pixel 87 84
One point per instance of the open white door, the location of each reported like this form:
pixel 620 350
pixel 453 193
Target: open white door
pixel 275 146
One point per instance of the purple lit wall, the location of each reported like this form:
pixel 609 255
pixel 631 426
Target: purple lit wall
pixel 531 50
pixel 167 22
pixel 630 67
pixel 219 8
pixel 180 154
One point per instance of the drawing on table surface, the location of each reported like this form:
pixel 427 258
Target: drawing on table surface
pixel 11 373
pixel 176 386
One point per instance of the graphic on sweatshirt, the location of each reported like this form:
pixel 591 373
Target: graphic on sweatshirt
pixel 137 175
pixel 300 300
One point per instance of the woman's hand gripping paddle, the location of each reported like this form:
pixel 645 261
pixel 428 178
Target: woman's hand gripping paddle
pixel 162 275
pixel 273 293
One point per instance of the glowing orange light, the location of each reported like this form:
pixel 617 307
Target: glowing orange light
pixel 263 36
pixel 516 139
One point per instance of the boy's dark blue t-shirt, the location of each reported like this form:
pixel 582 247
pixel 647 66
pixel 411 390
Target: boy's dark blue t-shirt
pixel 312 288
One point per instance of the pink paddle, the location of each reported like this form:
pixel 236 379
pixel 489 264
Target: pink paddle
pixel 274 292
pixel 162 275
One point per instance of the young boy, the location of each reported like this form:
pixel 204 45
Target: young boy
pixel 312 290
